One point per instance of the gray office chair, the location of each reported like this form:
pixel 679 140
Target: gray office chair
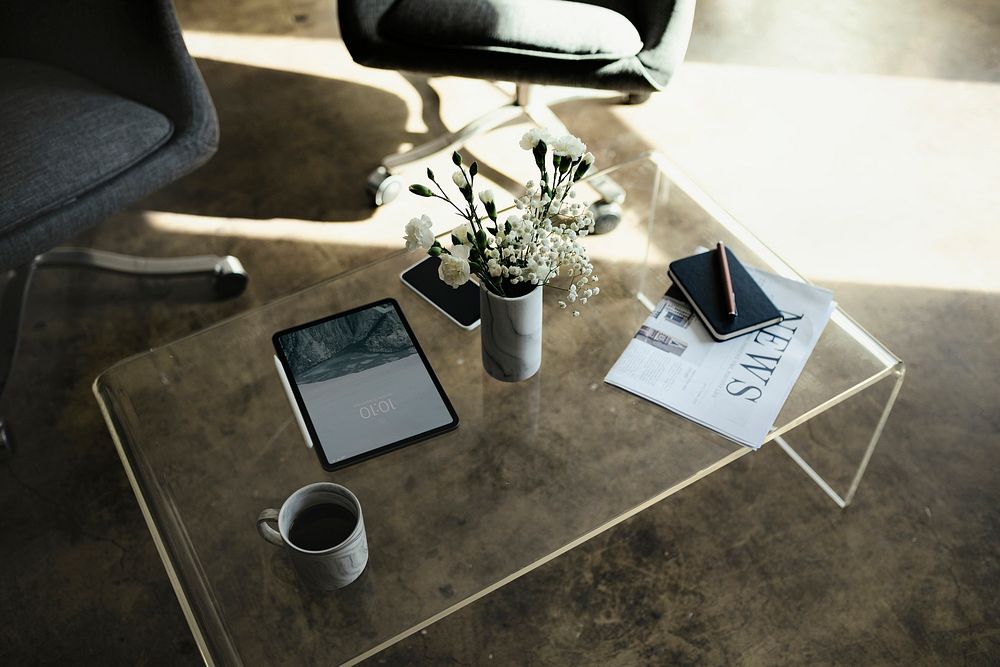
pixel 630 46
pixel 100 105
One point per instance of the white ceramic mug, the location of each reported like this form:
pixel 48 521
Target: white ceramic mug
pixel 331 568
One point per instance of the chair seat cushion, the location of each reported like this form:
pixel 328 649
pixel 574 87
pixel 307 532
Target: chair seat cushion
pixel 545 28
pixel 63 136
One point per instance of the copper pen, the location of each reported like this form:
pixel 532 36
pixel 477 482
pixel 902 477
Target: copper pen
pixel 727 279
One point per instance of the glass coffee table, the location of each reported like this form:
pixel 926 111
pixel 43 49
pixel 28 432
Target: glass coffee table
pixel 208 440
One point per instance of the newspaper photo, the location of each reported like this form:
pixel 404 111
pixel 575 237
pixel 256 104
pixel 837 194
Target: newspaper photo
pixel 736 387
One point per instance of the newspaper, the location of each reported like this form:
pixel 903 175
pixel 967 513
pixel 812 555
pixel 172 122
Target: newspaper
pixel 736 387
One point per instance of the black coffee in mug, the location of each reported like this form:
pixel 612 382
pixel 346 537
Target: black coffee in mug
pixel 322 527
pixel 322 530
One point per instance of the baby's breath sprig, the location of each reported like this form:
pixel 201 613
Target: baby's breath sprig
pixel 539 240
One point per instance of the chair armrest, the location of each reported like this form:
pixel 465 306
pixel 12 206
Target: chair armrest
pixel 359 20
pixel 667 27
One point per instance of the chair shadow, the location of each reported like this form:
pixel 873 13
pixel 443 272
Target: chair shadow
pixel 292 146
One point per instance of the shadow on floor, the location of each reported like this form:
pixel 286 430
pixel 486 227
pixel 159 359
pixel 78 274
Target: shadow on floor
pixel 292 146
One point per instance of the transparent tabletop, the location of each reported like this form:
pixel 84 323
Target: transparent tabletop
pixel 535 468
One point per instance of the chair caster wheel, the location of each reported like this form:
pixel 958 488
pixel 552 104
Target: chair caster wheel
pixel 383 186
pixel 6 442
pixel 607 215
pixel 230 278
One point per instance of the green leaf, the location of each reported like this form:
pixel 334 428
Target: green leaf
pixel 434 250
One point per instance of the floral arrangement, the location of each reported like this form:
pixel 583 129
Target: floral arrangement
pixel 537 243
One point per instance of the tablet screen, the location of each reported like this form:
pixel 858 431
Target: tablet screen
pixel 362 383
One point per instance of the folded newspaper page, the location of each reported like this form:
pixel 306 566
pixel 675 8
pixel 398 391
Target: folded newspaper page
pixel 736 387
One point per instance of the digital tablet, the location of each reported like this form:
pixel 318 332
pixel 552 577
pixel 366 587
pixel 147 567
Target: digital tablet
pixel 360 385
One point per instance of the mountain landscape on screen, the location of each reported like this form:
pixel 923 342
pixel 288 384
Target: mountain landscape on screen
pixel 347 345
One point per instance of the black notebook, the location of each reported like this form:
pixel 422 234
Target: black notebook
pixel 699 278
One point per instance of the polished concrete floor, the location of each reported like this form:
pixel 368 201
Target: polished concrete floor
pixel 859 139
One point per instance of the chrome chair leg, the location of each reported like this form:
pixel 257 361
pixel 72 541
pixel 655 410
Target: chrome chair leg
pixel 452 140
pixel 229 279
pixel 384 187
pixel 6 441
pixel 12 296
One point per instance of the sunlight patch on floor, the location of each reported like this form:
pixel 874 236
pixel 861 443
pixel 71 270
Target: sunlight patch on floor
pixel 280 229
pixel 852 178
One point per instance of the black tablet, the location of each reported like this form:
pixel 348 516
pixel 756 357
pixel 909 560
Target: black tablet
pixel 360 385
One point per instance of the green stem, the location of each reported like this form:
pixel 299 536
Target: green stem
pixel 446 198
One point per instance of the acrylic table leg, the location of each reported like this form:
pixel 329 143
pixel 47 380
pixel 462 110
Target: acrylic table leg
pixel 844 501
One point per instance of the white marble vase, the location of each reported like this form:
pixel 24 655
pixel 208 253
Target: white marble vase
pixel 511 332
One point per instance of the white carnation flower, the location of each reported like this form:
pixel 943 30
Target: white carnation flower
pixel 569 145
pixel 533 136
pixel 419 234
pixel 462 232
pixel 459 179
pixel 486 196
pixel 454 269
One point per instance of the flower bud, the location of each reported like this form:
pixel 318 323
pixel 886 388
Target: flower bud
pixel 421 190
pixel 539 152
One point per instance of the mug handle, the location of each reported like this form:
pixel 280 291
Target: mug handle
pixel 268 533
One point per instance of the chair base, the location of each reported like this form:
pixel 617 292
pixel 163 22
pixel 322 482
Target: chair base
pixel 384 187
pixel 229 279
